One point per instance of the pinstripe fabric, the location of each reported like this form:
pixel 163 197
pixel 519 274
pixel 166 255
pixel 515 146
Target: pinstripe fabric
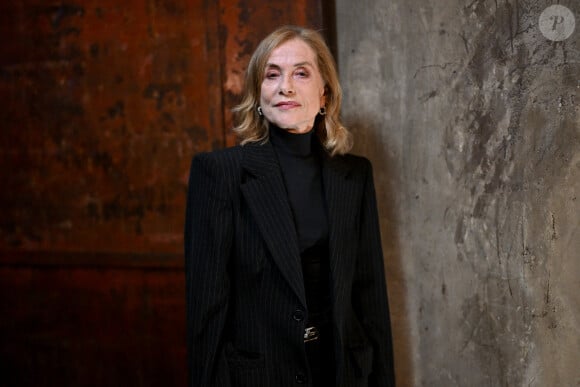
pixel 245 296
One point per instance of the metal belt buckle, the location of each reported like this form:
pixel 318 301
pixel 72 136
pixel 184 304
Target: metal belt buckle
pixel 311 334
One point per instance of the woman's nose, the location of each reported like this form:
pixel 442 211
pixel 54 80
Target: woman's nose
pixel 287 85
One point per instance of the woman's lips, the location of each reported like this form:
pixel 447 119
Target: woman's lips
pixel 287 105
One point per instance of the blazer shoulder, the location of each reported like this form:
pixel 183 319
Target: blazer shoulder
pixel 221 157
pixel 355 163
pixel 222 167
pixel 356 159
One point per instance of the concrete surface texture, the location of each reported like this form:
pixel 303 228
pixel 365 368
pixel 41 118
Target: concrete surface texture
pixel 469 111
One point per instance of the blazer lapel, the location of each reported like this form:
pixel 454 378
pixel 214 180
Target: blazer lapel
pixel 341 193
pixel 265 193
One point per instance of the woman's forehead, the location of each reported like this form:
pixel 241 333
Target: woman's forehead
pixel 294 52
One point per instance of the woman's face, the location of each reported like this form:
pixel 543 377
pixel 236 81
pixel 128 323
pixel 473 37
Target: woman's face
pixel 292 91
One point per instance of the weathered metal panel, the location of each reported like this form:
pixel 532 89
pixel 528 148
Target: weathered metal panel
pixel 66 325
pixel 104 104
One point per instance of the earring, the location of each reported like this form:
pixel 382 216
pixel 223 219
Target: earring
pixel 260 111
pixel 322 111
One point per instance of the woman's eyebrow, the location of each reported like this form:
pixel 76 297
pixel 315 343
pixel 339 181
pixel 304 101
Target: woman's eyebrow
pixel 299 64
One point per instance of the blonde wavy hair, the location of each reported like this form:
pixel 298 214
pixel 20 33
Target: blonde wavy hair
pixel 251 127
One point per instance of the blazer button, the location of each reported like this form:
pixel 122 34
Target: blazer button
pixel 300 378
pixel 298 315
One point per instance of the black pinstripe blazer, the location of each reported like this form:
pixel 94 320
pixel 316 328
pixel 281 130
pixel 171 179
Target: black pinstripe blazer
pixel 246 304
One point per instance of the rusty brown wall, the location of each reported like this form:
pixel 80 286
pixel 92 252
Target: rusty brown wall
pixel 103 105
pixel 470 113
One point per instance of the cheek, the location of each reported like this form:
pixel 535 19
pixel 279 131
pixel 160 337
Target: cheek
pixel 263 100
pixel 266 92
pixel 317 97
pixel 318 92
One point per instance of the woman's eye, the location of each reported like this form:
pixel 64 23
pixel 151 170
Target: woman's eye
pixel 271 75
pixel 302 74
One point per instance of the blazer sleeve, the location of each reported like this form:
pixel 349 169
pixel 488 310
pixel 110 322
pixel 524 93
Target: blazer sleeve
pixel 207 244
pixel 369 290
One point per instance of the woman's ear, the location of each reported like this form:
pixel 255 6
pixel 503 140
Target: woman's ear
pixel 323 97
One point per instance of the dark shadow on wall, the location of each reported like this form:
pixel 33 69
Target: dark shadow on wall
pixel 329 25
pixel 369 144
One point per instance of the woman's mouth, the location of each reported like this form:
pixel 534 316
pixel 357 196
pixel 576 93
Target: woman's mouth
pixel 285 105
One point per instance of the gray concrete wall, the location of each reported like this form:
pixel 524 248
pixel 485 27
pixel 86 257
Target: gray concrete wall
pixel 471 118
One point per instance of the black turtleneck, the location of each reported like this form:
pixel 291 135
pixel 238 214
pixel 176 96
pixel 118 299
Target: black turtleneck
pixel 300 160
pixel 299 157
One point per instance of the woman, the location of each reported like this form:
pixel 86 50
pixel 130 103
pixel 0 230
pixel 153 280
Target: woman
pixel 284 268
